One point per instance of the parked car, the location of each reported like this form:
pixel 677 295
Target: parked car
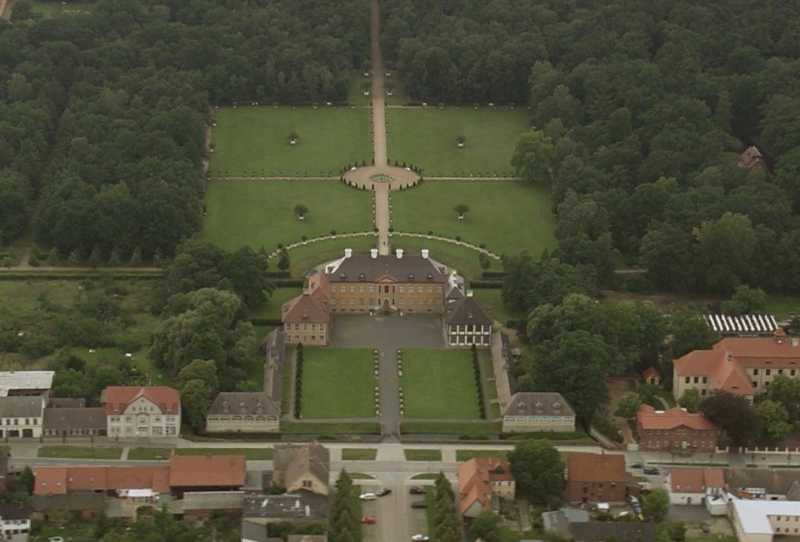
pixel 367 496
pixel 368 520
pixel 636 466
pixel 420 538
pixel 419 504
pixel 417 490
pixel 651 471
pixel 382 492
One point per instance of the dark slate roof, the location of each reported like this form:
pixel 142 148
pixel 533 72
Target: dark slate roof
pixel 60 419
pixel 610 531
pixel 294 460
pixel 781 482
pixel 362 267
pixel 245 403
pixel 73 502
pixel 300 505
pixel 466 311
pixel 528 403
pixel 21 407
pixel 66 402
pixel 14 511
pixel 305 308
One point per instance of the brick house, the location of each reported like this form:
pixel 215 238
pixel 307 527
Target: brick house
pixel 740 365
pixel 538 411
pixel 674 429
pixel 142 411
pixel 482 481
pixel 597 478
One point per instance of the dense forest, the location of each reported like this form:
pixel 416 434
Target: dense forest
pixel 639 111
pixel 103 115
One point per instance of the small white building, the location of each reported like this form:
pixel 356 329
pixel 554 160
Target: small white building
pixel 21 417
pixel 15 523
pixel 142 411
pixel 529 412
pixel 762 521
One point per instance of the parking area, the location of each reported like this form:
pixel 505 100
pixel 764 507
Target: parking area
pixel 396 520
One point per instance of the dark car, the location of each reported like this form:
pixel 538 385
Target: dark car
pixel 419 504
pixel 636 466
pixel 651 471
pixel 416 490
pixel 383 492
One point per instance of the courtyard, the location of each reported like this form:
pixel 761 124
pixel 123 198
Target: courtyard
pixel 439 384
pixel 254 141
pixel 337 383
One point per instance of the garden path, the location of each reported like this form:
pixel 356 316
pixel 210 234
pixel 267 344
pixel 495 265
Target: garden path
pixel 382 211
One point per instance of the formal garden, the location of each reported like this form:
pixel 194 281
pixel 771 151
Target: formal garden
pixel 289 141
pixel 456 141
pixel 335 383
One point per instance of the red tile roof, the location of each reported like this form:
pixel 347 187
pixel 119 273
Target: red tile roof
pixel 206 471
pixel 585 467
pixel 651 419
pixel 475 477
pixel 651 372
pixel 117 398
pixel 685 480
pixel 62 480
pixel 305 308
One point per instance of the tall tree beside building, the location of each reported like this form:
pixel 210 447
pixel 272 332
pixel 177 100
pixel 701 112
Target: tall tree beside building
pixel 345 523
pixel 538 471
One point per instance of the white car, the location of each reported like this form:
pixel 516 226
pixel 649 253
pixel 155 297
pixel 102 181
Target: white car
pixel 420 538
pixel 367 496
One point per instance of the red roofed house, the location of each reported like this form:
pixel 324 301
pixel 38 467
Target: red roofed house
pixel 306 318
pixel 142 411
pixel 652 376
pixel 481 481
pixel 597 478
pixel 694 486
pixel 674 429
pixel 206 473
pixel 739 365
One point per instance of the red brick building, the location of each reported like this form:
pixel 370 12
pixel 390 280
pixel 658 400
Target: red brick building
pixel 674 429
pixel 597 478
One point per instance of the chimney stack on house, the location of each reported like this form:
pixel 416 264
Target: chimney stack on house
pixel 373 253
pixel 425 253
pixel 348 253
pixel 399 253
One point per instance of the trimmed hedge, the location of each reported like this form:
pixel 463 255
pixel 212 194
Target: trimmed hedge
pixel 288 283
pixel 486 285
pixel 493 275
pixel 266 322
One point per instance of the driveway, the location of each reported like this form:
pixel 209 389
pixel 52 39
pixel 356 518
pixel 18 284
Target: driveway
pixel 387 333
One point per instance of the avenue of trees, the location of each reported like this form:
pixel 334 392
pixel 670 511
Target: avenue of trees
pixel 103 115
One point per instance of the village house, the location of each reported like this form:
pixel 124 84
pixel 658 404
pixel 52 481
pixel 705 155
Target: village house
pixel 69 422
pixel 742 366
pixel 142 411
pixel 693 486
pixel 15 522
pixel 538 411
pixel 651 376
pixel 21 416
pixel 674 430
pixel 593 478
pixel 302 467
pixel 482 482
pixel 243 412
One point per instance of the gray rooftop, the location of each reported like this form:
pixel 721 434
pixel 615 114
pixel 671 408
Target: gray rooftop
pixel 21 407
pixel 529 403
pixel 64 419
pixel 300 505
pixel 244 403
pixel 293 461
pixel 777 482
pixel 362 267
pixel 466 311
pixel 25 380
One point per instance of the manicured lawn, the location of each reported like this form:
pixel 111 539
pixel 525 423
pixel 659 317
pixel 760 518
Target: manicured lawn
pixel 261 213
pixel 252 454
pixel 271 310
pixel 458 257
pixel 423 455
pixel 489 386
pixel 254 141
pixel 338 383
pixel 492 302
pixel 80 452
pixel 427 138
pixel 332 428
pixel 439 384
pixel 505 216
pixel 466 455
pixel 359 454
pixel 305 257
pixel 149 453
pixel 425 476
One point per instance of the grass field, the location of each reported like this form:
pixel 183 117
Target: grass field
pixel 359 454
pixel 254 141
pixel 272 308
pixel 492 302
pixel 261 213
pixel 80 452
pixel 252 454
pixel 464 259
pixel 154 454
pixel 427 138
pixel 439 384
pixel 466 455
pixel 506 216
pixel 423 455
pixel 332 428
pixel 337 383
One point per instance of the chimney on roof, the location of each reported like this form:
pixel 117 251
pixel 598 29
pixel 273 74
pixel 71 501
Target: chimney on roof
pixel 425 253
pixel 399 253
pixel 779 335
pixel 348 253
pixel 373 253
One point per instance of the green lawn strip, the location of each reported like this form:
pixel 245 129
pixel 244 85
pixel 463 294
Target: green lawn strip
pixel 783 306
pixel 466 455
pixel 338 383
pixel 287 382
pixel 505 216
pixel 480 429
pixel 425 476
pixel 359 454
pixel 332 428
pixel 576 437
pixel 489 385
pixel 261 213
pixel 491 299
pixel 427 138
pixel 252 454
pixel 305 257
pixel 271 310
pixel 254 141
pixel 361 476
pixel 355 92
pixel 149 453
pixel 423 455
pixel 80 452
pixel 439 384
pixel 462 258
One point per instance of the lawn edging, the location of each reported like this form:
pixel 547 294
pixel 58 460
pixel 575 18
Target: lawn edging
pixel 476 248
pixel 277 252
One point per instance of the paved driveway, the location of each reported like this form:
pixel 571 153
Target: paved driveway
pixel 387 334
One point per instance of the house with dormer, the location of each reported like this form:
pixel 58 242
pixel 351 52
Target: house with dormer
pixel 243 412
pixel 142 411
pixel 528 412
